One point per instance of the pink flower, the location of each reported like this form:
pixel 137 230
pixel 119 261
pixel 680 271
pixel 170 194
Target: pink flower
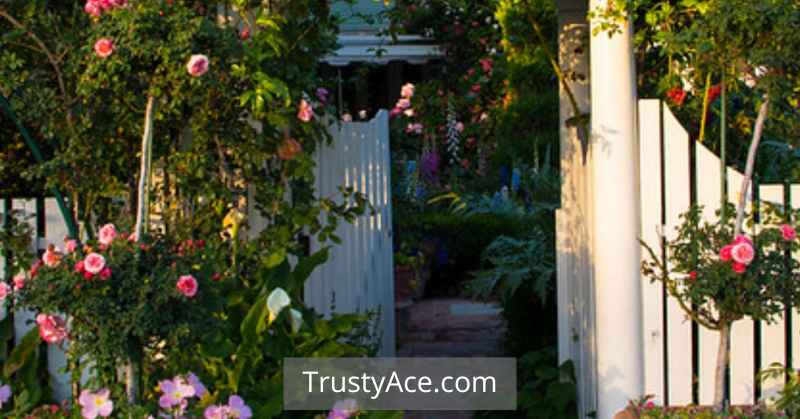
pixel 725 253
pixel 739 268
pixel 197 65
pixel 105 273
pixel 5 394
pixel 175 391
pixel 403 103
pixel 92 8
pixel 35 269
pixel 476 88
pixel 194 381
pixel 19 281
pixel 395 112
pixel 414 128
pixel 693 275
pixel 742 239
pixel 788 232
pixel 238 408
pixel 322 94
pixel 119 3
pixel 103 47
pixel 343 409
pixel 486 64
pixel 187 286
pixel 107 234
pixel 215 412
pixel 743 253
pixel 409 112
pixel 93 263
pixel 649 404
pixel 5 290
pixel 459 126
pixel 71 245
pixel 245 34
pixel 407 91
pixel 52 329
pixel 51 257
pixel 304 111
pixel 79 268
pixel 96 404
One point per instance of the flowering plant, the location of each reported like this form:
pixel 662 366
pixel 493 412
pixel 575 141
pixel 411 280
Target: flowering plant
pixel 117 300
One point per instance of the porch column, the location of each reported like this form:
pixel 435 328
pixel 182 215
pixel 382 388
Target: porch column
pixel 614 152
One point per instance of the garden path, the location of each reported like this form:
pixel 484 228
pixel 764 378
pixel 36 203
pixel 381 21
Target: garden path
pixel 449 327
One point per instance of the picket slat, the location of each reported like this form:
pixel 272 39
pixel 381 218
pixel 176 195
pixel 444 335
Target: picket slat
pixel 708 180
pixel 795 332
pixel 676 184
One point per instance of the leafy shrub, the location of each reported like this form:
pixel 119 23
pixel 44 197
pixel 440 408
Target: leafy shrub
pixel 645 409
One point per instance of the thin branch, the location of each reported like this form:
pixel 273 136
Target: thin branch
pixel 751 161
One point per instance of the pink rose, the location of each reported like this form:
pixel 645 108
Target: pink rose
pixel 304 111
pixel 51 257
pixel 71 245
pixel 742 239
pixel 788 232
pixel 486 64
pixel 119 3
pixel 105 273
pixel 103 47
pixel 725 253
pixel 460 126
pixel 92 8
pixel 87 275
pixel 107 234
pixel 94 263
pixel 693 275
pixel 739 268
pixel 187 286
pixel 403 103
pixel 5 289
pixel 394 113
pixel 79 268
pixel 52 329
pixel 19 281
pixel 407 91
pixel 743 253
pixel 197 65
pixel 35 269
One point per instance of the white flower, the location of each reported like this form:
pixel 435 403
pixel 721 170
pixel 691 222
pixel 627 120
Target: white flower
pixel 278 299
pixel 296 319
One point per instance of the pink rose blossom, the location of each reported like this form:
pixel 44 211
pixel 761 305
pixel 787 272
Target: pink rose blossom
pixel 96 404
pixel 52 329
pixel 394 113
pixel 105 273
pixel 107 234
pixel 725 253
pixel 71 245
pixel 19 281
pixel 5 290
pixel 94 263
pixel 92 8
pixel 739 268
pixel 197 65
pixel 486 64
pixel 742 239
pixel 51 257
pixel 460 126
pixel 407 91
pixel 788 232
pixel 403 103
pixel 743 253
pixel 79 268
pixel 187 286
pixel 304 111
pixel 87 275
pixel 103 47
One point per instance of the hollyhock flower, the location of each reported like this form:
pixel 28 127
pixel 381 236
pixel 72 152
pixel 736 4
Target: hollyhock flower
pixel 96 404
pixel 289 149
pixel 277 300
pixel 52 329
pixel 93 263
pixel 197 65
pixel 194 381
pixel 107 234
pixel 5 290
pixel 238 409
pixel 725 253
pixel 788 232
pixel 175 391
pixel 105 273
pixel 51 257
pixel 71 245
pixel 296 318
pixel 304 111
pixel 403 103
pixel 5 394
pixel 19 281
pixel 743 253
pixel 322 94
pixel 407 91
pixel 739 268
pixel 103 47
pixel 187 286
pixel 676 95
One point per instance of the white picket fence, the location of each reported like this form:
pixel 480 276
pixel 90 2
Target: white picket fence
pixel 359 275
pixel 669 340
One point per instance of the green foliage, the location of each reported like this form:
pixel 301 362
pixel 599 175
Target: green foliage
pixel 646 409
pixel 788 399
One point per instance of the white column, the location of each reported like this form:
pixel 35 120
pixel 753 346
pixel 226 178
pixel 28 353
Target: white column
pixel 614 153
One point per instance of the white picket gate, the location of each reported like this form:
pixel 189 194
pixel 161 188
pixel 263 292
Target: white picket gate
pixel 673 351
pixel 358 277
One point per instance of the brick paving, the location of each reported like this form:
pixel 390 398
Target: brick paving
pixel 449 327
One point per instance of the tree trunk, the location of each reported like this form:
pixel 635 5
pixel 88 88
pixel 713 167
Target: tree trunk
pixel 751 161
pixel 723 355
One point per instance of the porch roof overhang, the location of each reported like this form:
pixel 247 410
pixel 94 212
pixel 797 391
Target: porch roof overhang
pixel 367 47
